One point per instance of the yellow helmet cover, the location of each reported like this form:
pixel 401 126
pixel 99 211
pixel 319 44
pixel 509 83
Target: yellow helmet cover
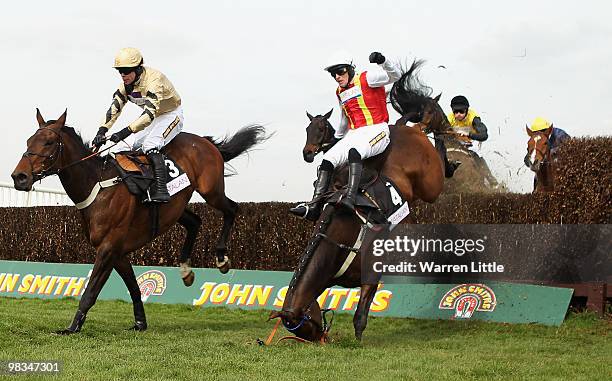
pixel 128 57
pixel 540 124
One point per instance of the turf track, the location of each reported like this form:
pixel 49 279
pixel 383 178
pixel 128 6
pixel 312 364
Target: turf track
pixel 188 343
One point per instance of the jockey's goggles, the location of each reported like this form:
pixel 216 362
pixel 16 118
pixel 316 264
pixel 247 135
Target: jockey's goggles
pixel 338 71
pixel 126 70
pixel 459 111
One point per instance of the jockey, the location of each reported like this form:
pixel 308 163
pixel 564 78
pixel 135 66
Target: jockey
pixel 159 123
pixel 363 131
pixel 466 122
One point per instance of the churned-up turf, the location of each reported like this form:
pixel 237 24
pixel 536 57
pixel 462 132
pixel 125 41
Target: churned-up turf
pixel 188 343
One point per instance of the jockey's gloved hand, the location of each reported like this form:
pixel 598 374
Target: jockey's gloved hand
pixel 120 135
pixel 100 138
pixel 377 58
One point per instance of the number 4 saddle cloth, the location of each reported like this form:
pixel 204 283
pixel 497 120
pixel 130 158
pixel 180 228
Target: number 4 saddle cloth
pixel 136 172
pixel 378 200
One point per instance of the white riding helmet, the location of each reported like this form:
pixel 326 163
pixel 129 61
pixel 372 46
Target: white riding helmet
pixel 340 58
pixel 128 57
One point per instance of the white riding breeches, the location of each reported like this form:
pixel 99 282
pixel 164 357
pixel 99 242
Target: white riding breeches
pixel 368 141
pixel 156 135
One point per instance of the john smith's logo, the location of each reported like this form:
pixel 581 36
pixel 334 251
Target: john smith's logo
pixel 152 282
pixel 465 299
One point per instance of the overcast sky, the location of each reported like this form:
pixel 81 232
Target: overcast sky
pixel 241 62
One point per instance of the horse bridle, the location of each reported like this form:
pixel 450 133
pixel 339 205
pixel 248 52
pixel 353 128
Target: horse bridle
pixel 54 157
pixel 327 137
pixel 544 156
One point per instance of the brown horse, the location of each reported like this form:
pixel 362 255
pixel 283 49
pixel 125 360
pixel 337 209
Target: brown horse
pixel 116 223
pixel 413 164
pixel 540 160
pixel 474 174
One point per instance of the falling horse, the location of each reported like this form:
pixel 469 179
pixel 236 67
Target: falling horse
pixel 474 174
pixel 415 167
pixel 539 159
pixel 116 222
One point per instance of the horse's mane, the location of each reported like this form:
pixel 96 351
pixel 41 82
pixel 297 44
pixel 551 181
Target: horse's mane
pixel 409 94
pixel 74 135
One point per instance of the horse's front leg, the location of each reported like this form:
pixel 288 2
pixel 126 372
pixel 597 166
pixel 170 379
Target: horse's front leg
pixel 360 320
pixel 125 270
pixel 103 266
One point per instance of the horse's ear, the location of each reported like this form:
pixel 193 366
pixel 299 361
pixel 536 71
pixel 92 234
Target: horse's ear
pixel 529 132
pixel 309 116
pixel 548 131
pixel 437 98
pixel 61 121
pixel 326 116
pixel 39 118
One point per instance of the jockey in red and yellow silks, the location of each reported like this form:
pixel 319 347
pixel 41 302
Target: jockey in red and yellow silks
pixel 363 131
pixel 363 104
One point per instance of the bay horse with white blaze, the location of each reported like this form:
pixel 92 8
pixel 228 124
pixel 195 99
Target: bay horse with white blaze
pixel 416 168
pixel 117 223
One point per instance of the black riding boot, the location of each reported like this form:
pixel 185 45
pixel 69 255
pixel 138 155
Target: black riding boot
pixel 159 190
pixel 450 166
pixel 348 201
pixel 312 210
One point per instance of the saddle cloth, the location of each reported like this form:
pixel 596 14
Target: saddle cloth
pixel 378 200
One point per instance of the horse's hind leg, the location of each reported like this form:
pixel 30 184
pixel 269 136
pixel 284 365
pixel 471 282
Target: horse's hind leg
pixel 229 208
pixel 360 320
pixel 125 270
pixel 192 224
pixel 102 268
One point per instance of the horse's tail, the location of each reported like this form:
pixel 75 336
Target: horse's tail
pixel 409 94
pixel 241 142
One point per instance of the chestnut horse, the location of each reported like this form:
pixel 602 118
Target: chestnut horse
pixel 410 161
pixel 539 159
pixel 117 223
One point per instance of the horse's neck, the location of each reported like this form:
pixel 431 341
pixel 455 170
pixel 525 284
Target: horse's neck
pixel 79 179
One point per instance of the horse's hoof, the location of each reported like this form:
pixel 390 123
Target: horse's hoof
pixel 64 332
pixel 224 266
pixel 188 280
pixel 139 326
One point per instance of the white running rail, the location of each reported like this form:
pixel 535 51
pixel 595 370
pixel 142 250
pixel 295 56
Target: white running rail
pixel 38 196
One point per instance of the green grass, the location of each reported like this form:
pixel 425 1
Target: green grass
pixel 187 343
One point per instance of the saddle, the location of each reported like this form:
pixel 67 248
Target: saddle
pixel 135 171
pixel 378 200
